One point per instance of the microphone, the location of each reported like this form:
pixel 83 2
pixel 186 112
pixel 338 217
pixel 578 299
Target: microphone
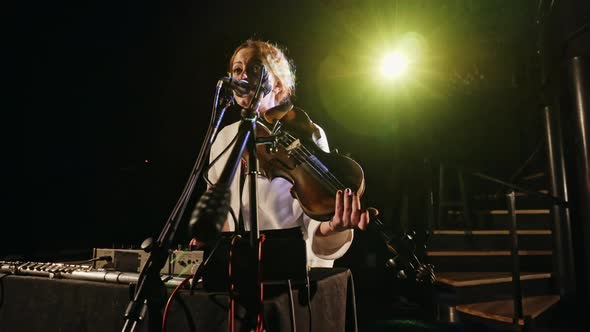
pixel 209 215
pixel 241 87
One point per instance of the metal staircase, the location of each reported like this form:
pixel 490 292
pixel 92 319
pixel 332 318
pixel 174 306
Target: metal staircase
pixel 494 259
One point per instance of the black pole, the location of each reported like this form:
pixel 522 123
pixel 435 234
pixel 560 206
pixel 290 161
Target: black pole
pixel 441 192
pixel 253 187
pixel 518 312
pixel 570 272
pixel 579 157
pixel 559 269
pixel 430 196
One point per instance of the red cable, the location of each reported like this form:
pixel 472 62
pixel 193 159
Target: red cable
pixel 260 320
pixel 165 316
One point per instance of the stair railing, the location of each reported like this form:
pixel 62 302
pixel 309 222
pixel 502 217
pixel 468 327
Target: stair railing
pixel 511 203
pixel 517 287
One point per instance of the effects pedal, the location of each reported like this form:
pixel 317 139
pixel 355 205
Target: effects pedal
pixel 179 262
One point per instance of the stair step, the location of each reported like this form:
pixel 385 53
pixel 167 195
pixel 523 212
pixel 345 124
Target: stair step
pixel 454 288
pixel 491 232
pixel 523 201
pixel 488 260
pixel 499 219
pixel 503 311
pixel 527 211
pixel 464 279
pixel 488 253
pixel 505 211
pixel 497 239
pixel 502 197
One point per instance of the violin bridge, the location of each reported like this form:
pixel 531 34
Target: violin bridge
pixel 293 145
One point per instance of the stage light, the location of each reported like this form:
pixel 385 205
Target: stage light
pixel 394 65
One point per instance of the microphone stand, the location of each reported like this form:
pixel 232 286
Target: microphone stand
pixel 212 209
pixel 150 292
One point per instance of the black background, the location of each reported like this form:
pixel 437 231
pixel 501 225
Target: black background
pixel 115 98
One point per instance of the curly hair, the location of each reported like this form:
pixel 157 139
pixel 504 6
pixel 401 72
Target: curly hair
pixel 274 58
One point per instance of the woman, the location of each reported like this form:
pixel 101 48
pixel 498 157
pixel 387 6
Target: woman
pixel 325 241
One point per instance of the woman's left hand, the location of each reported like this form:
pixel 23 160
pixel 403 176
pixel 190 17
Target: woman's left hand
pixel 348 213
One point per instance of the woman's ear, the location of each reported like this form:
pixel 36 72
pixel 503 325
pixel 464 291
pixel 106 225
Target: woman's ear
pixel 278 88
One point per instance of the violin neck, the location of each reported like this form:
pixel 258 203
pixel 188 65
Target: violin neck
pixel 377 225
pixel 398 246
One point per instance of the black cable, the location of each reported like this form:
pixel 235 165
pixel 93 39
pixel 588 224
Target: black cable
pixel 173 296
pixel 202 266
pixel 205 174
pixel 187 313
pixel 185 308
pixel 101 258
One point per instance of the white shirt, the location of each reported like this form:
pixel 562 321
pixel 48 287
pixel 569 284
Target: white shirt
pixel 277 209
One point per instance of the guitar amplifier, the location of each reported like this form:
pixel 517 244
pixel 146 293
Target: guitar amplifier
pixel 180 263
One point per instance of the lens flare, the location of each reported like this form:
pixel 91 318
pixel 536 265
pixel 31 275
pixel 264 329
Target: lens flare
pixel 394 65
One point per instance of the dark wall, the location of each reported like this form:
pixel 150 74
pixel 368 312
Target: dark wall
pixel 117 97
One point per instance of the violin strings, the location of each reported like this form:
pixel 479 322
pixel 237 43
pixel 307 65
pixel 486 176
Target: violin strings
pixel 302 154
pixel 326 182
pixel 327 176
pixel 324 177
pixel 302 159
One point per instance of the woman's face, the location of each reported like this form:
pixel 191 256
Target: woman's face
pixel 241 67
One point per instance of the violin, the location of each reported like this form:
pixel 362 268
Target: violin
pixel 285 148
